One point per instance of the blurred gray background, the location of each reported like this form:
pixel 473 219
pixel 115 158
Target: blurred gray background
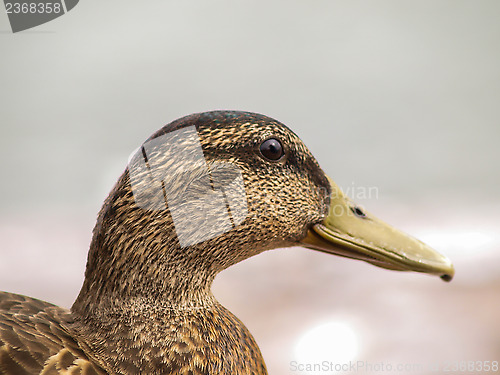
pixel 398 97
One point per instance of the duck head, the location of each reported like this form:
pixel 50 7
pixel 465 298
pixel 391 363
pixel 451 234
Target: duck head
pixel 212 189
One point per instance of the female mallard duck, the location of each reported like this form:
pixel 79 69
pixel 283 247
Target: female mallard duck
pixel 203 193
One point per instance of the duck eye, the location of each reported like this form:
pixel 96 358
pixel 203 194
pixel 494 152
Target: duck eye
pixel 358 211
pixel 272 149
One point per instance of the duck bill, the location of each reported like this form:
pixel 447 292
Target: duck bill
pixel 351 232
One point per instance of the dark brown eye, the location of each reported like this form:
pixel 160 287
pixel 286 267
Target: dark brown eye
pixel 272 149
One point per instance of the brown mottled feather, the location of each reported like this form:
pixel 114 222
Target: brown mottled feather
pixel 34 339
pixel 146 306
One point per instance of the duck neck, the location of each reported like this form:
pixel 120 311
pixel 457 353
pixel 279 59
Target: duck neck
pixel 128 262
pixel 111 287
pixel 146 299
pixel 135 255
pixel 144 296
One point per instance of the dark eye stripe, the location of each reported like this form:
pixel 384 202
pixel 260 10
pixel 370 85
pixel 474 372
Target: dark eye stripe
pixel 272 149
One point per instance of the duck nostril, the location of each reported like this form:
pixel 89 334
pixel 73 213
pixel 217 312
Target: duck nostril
pixel 358 211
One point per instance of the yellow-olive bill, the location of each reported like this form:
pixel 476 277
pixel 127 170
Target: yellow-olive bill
pixel 351 232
